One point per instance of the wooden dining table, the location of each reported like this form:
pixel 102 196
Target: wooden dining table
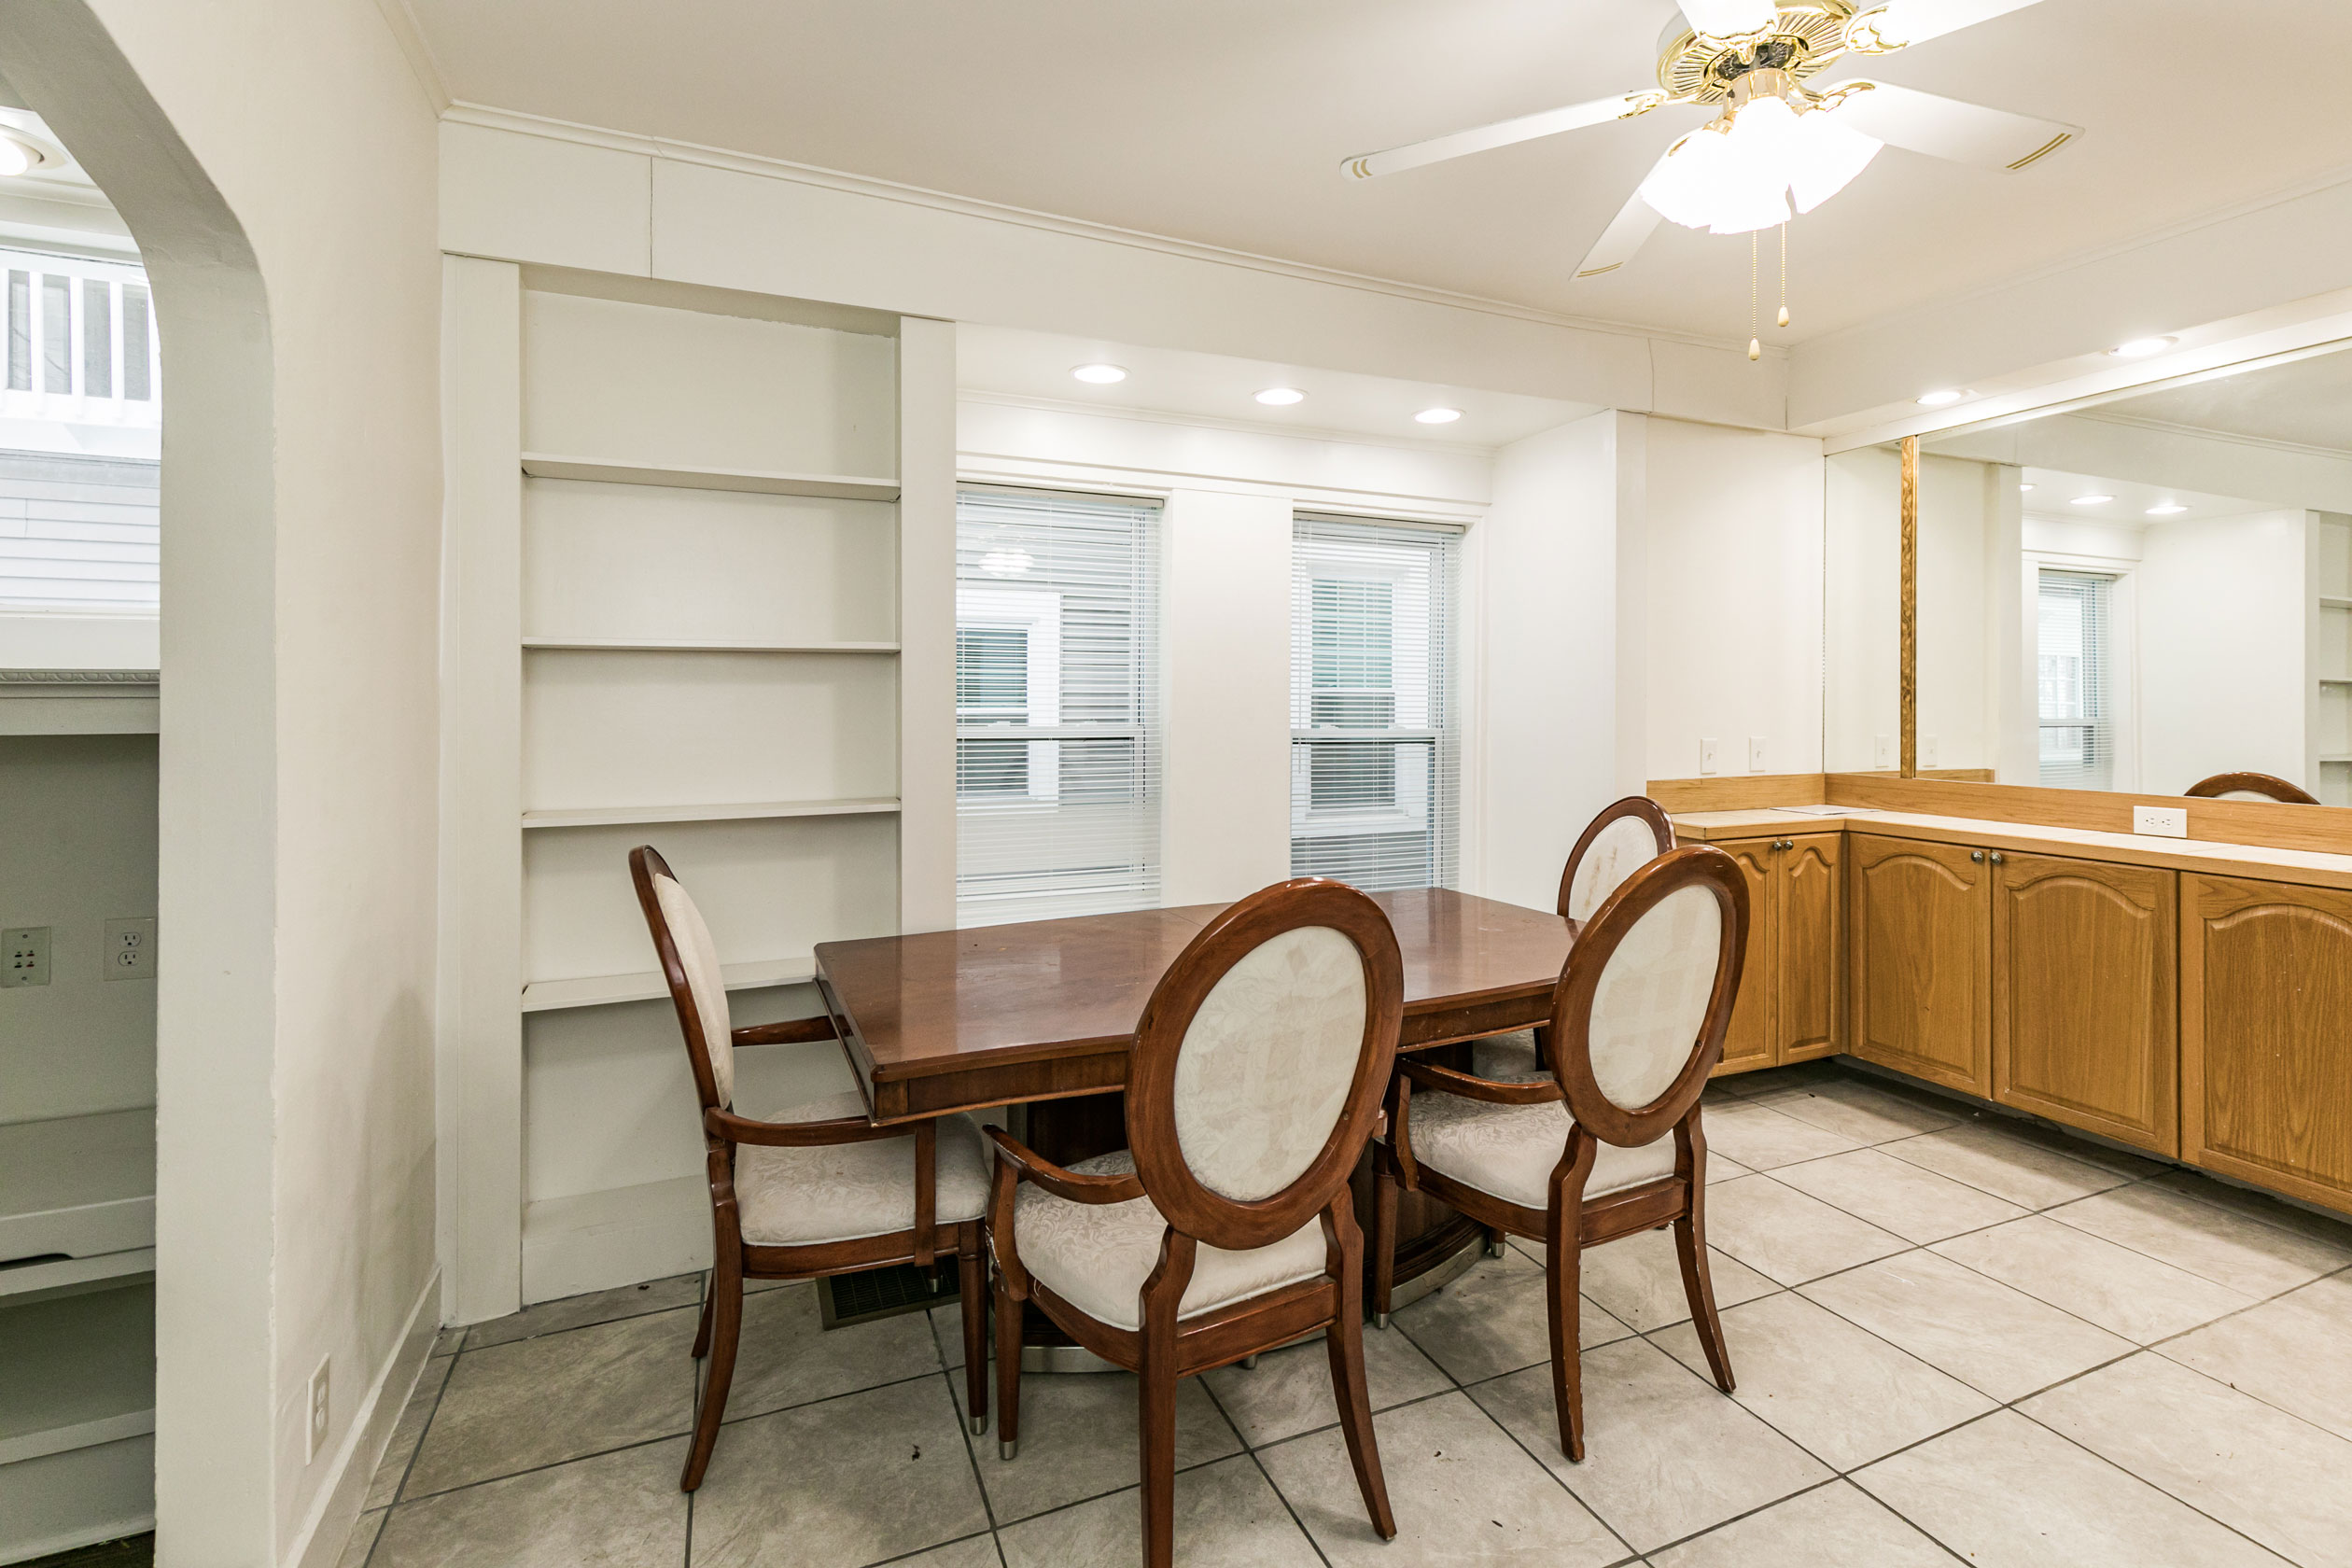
pixel 1043 1015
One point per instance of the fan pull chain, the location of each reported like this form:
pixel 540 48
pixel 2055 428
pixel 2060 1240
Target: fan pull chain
pixel 1783 313
pixel 1756 340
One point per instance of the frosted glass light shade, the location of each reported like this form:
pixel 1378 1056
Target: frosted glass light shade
pixel 1733 179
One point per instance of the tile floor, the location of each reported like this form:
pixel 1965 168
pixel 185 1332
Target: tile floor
pixel 1958 1338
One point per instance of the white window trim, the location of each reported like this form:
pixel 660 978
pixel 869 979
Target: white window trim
pixel 2124 607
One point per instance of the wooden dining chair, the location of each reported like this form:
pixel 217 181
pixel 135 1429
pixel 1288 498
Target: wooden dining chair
pixel 1226 1227
pixel 1623 838
pixel 816 1189
pixel 1611 1145
pixel 2249 787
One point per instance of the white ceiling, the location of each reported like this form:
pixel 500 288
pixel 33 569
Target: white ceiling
pixel 2307 402
pixel 2053 492
pixel 1035 367
pixel 1223 122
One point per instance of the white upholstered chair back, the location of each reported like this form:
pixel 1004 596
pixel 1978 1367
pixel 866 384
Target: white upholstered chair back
pixel 1622 848
pixel 2243 794
pixel 1650 1006
pixel 699 955
pixel 1263 1075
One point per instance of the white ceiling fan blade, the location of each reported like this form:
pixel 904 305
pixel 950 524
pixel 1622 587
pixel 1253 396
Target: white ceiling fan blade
pixel 1949 129
pixel 1527 128
pixel 1900 24
pixel 1625 235
pixel 1728 18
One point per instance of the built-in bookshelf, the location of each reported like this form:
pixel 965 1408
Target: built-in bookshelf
pixel 2331 558
pixel 696 552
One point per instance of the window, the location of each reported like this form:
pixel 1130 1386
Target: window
pixel 2073 683
pixel 79 435
pixel 1056 803
pixel 1373 753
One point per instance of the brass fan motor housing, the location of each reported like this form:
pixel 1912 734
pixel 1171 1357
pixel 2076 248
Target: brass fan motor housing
pixel 1802 40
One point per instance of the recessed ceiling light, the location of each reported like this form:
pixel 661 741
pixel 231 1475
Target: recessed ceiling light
pixel 1101 375
pixel 1437 416
pixel 16 158
pixel 2093 501
pixel 2169 509
pixel 1282 397
pixel 1943 399
pixel 2022 488
pixel 2142 348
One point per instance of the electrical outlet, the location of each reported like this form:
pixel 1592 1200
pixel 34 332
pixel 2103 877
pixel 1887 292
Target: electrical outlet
pixel 1756 753
pixel 24 955
pixel 317 1411
pixel 131 949
pixel 1927 751
pixel 2161 821
pixel 1883 752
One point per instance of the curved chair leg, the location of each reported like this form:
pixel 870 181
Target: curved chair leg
pixel 1344 1339
pixel 1008 1371
pixel 972 1291
pixel 1563 1271
pixel 725 1317
pixel 1383 1239
pixel 702 1332
pixel 1690 1247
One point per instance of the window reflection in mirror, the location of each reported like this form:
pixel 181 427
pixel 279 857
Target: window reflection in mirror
pixel 2134 596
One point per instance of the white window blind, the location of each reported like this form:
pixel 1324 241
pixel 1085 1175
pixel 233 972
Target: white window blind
pixel 1373 746
pixel 2075 686
pixel 1057 799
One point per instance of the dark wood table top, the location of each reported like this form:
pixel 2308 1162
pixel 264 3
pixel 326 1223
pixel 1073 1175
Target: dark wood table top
pixel 963 1020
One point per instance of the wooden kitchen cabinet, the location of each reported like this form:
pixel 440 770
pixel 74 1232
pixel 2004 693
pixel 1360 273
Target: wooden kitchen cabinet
pixel 2266 1034
pixel 1792 985
pixel 2083 965
pixel 1921 959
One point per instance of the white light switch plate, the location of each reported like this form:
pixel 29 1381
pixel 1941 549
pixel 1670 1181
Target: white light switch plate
pixel 1710 755
pixel 2161 821
pixel 1883 753
pixel 1756 753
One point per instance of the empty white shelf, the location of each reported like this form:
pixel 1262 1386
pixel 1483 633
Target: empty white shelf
pixel 848 488
pixel 648 644
pixel 600 991
pixel 609 816
pixel 75 1371
pixel 81 1186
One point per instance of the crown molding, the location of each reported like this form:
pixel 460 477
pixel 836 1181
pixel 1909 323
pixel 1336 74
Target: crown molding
pixel 2173 427
pixel 488 117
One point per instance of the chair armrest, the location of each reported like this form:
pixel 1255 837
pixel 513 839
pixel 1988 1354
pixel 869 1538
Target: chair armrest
pixel 1489 1090
pixel 791 1031
pixel 726 1125
pixel 1033 1167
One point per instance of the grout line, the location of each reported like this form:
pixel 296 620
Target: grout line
pixel 963 1423
pixel 941 1545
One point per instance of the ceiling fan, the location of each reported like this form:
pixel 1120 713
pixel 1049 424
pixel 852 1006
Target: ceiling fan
pixel 1776 140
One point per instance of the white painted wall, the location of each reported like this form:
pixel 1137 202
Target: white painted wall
pixel 1551 650
pixel 1957 610
pixel 76 850
pixel 275 162
pixel 1862 535
pixel 1734 536
pixel 2221 650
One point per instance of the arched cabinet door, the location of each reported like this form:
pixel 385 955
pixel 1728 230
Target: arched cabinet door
pixel 1747 1045
pixel 2083 1017
pixel 1921 960
pixel 2266 1034
pixel 1812 1021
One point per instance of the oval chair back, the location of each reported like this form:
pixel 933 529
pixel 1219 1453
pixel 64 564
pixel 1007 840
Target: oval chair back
pixel 1623 838
pixel 2251 787
pixel 1260 1062
pixel 1639 1018
pixel 690 965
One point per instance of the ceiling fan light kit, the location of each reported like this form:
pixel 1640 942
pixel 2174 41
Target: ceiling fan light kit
pixel 1778 148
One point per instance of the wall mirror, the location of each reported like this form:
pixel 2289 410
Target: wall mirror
pixel 2134 595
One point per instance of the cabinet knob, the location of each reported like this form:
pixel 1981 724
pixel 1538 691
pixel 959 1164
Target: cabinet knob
pixel 2000 859
pixel 1977 856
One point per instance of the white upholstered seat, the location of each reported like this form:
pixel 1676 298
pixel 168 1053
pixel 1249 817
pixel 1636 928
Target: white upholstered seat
pixel 1507 1059
pixel 793 1198
pixel 1096 1255
pixel 1510 1151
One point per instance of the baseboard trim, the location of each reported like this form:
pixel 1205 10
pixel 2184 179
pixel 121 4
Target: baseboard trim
pixel 320 1544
